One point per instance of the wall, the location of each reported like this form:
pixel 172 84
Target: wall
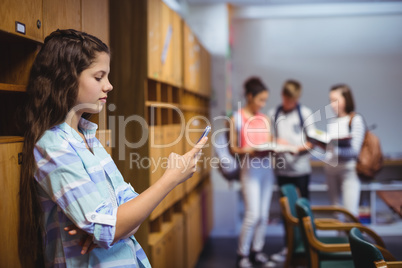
pixel 363 51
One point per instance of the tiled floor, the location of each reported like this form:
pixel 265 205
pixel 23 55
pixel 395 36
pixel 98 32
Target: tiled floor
pixel 221 252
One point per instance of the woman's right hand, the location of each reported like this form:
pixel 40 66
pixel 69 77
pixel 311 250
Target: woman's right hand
pixel 182 167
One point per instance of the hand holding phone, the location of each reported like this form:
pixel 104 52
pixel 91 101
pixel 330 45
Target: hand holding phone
pixel 206 132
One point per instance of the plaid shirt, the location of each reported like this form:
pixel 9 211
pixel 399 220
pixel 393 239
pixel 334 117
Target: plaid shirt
pixel 82 188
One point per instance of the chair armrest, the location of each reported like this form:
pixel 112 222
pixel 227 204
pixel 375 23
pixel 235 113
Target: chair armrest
pixel 394 264
pixel 327 220
pixel 335 209
pixel 390 264
pixel 286 211
pixel 318 245
pixel 348 227
pixel 386 254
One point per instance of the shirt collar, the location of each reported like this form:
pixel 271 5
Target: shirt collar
pixel 87 128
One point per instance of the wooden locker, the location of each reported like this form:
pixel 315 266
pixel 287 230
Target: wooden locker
pixel 178 241
pixel 95 21
pixel 61 14
pixel 204 79
pixel 178 148
pixel 168 244
pixel 168 139
pixel 191 52
pixel 95 18
pixel 157 249
pixel 156 155
pixel 188 40
pixel 27 13
pixel 193 236
pixel 166 56
pixel 154 36
pixel 177 50
pixel 10 158
pixel 142 79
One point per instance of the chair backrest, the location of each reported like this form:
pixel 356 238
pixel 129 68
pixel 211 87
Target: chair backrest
pixel 364 253
pixel 303 210
pixel 290 192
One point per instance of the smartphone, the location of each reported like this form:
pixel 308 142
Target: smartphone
pixel 206 131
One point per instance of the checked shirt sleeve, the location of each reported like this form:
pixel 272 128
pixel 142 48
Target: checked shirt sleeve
pixel 76 191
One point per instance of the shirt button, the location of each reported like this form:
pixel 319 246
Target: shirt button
pixel 93 217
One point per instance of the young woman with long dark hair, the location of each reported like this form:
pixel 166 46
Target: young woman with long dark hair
pixel 70 187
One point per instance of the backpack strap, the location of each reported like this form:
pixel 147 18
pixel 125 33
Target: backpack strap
pixel 278 110
pixel 238 123
pixel 300 115
pixel 352 115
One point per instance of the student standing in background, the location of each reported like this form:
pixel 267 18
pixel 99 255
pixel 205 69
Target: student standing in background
pixel 253 128
pixel 342 178
pixel 291 123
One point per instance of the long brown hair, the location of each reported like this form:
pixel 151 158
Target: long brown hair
pixel 52 92
pixel 347 95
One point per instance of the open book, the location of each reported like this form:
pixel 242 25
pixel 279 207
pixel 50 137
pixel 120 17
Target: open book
pixel 276 148
pixel 317 136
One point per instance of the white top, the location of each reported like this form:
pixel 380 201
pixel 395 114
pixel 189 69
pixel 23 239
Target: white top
pixel 339 127
pixel 288 128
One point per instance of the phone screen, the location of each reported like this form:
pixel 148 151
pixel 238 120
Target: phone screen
pixel 206 131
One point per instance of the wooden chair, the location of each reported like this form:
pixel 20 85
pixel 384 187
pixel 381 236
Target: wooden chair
pixel 317 250
pixel 296 250
pixel 367 255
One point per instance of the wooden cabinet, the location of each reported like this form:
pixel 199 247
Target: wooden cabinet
pixel 196 64
pixel 148 44
pixel 10 158
pixel 192 60
pixel 167 245
pixel 156 154
pixel 19 16
pixel 192 233
pixel 61 14
pixel 178 241
pixel 166 56
pixel 177 50
pixel 38 18
pixel 154 38
pixel 164 44
pixel 157 244
pixel 95 18
pixel 204 87
pixel 17 54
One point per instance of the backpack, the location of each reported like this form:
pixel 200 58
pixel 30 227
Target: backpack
pixel 229 165
pixel 370 159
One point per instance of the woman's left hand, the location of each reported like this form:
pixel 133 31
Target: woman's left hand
pixel 305 148
pixel 86 241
